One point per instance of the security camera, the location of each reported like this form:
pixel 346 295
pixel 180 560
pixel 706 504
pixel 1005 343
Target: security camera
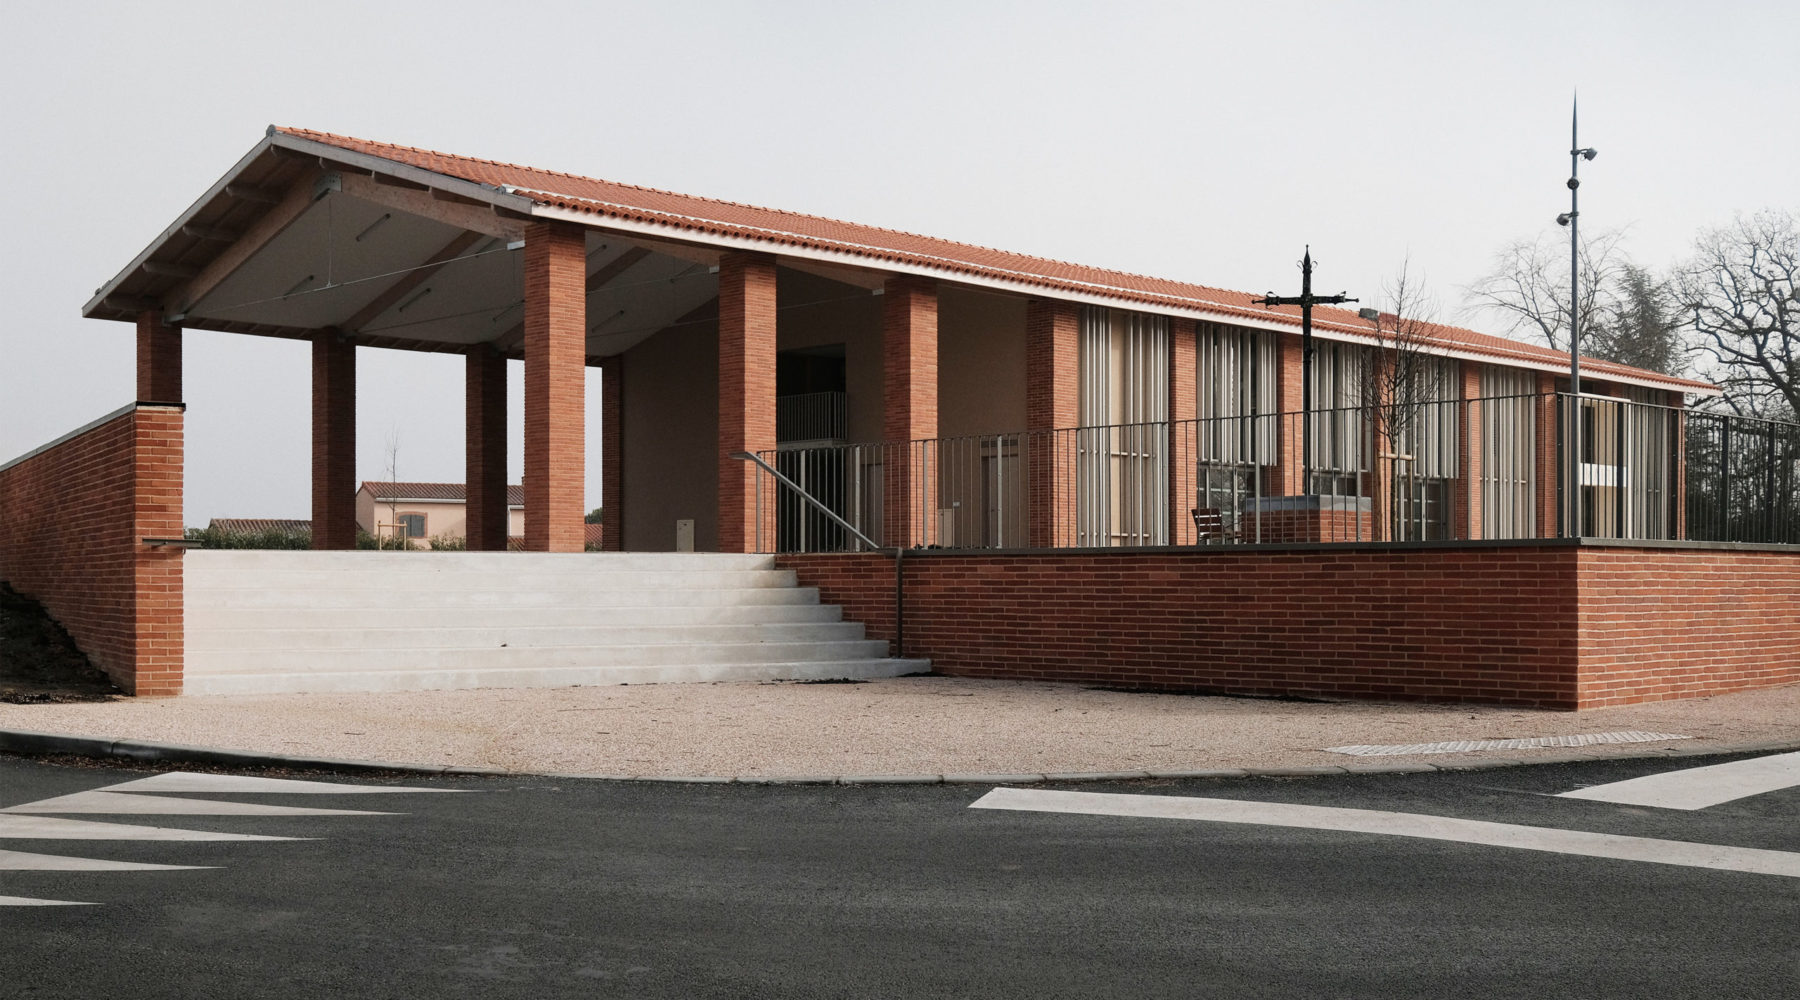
pixel 1589 154
pixel 1563 219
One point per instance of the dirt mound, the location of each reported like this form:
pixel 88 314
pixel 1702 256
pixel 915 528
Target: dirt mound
pixel 38 660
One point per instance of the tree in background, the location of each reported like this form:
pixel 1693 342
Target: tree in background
pixel 1738 297
pixel 1638 325
pixel 594 516
pixel 1402 378
pixel 1529 287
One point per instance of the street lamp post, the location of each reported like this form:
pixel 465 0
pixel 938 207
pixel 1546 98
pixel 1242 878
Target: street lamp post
pixel 1572 219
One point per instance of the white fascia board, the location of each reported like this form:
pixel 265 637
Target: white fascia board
pixel 183 219
pixel 1027 285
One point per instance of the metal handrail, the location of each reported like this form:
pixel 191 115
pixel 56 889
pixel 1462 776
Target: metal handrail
pixel 808 497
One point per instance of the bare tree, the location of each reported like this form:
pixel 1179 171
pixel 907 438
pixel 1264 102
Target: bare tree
pixel 1400 381
pixel 1740 296
pixel 1529 287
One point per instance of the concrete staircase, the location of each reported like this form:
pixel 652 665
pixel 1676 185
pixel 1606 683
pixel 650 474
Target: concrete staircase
pixel 265 622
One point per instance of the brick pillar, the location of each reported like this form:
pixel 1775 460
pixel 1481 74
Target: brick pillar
pixel 484 443
pixel 746 396
pixel 1548 471
pixel 1184 444
pixel 909 364
pixel 1286 479
pixel 555 380
pixel 1052 373
pixel 333 441
pixel 1469 453
pixel 157 628
pixel 158 359
pixel 612 452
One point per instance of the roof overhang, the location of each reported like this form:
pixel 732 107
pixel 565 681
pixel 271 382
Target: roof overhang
pixel 281 246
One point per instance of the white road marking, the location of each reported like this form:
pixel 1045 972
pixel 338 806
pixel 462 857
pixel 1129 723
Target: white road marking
pixel 191 781
pixel 51 828
pixel 111 802
pixel 1526 743
pixel 1699 787
pixel 1530 838
pixel 127 798
pixel 19 861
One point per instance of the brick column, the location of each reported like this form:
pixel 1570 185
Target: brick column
pixel 156 499
pixel 746 396
pixel 484 443
pixel 612 452
pixel 909 364
pixel 333 441
pixel 1184 444
pixel 1286 478
pixel 1052 374
pixel 158 359
pixel 1470 416
pixel 555 380
pixel 1548 469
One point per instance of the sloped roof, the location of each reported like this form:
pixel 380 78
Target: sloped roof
pixel 258 525
pixel 444 492
pixel 712 217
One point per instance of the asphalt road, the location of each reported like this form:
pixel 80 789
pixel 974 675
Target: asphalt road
pixel 525 887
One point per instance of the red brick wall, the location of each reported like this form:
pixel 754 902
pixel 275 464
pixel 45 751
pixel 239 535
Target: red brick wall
pixel 746 394
pixel 555 384
pixel 484 448
pixel 1496 624
pixel 71 522
pixel 612 451
pixel 909 362
pixel 1052 374
pixel 1661 623
pixel 1458 624
pixel 333 441
pixel 158 359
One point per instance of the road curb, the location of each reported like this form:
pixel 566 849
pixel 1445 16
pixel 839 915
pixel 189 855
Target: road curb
pixel 27 743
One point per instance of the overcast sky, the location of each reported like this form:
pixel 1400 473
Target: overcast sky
pixel 1203 142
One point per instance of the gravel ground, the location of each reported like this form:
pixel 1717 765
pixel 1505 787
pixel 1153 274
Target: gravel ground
pixel 914 725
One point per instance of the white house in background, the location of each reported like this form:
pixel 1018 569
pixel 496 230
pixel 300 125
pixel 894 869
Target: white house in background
pixel 422 511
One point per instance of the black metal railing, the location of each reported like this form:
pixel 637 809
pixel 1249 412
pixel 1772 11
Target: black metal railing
pixel 1490 468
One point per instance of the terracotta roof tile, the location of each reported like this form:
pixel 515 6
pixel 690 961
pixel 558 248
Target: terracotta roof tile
pixel 257 525
pixel 456 492
pixel 713 217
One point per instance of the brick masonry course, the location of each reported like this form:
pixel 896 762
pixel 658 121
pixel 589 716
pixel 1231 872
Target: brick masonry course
pixel 1551 626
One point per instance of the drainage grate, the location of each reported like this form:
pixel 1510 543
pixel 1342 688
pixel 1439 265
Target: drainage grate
pixel 1532 743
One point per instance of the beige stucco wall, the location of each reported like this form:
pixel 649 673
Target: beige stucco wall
pixel 671 437
pixel 981 362
pixel 447 518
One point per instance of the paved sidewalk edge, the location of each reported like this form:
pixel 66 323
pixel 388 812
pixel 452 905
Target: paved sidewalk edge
pixel 34 744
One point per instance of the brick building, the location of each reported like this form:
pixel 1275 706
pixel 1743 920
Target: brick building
pixel 929 396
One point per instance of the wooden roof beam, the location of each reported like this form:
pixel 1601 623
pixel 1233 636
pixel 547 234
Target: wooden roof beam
pixel 260 234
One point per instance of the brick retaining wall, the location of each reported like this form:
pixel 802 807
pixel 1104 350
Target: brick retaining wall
pixel 72 518
pixel 1485 623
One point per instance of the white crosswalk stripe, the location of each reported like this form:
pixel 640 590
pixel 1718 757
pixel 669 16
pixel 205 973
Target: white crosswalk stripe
pixel 1700 787
pixel 33 820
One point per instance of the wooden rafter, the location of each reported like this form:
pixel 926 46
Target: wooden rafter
pixel 261 233
pixel 599 279
pixel 476 218
pixel 411 280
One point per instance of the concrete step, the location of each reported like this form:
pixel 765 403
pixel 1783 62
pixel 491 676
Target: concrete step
pixel 460 580
pixel 484 637
pixel 251 560
pixel 203 617
pixel 222 661
pixel 325 596
pixel 327 682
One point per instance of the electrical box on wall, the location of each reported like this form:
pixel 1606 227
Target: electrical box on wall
pixel 684 535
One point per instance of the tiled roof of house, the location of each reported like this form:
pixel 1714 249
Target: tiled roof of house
pixel 257 525
pixel 708 217
pixel 448 492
